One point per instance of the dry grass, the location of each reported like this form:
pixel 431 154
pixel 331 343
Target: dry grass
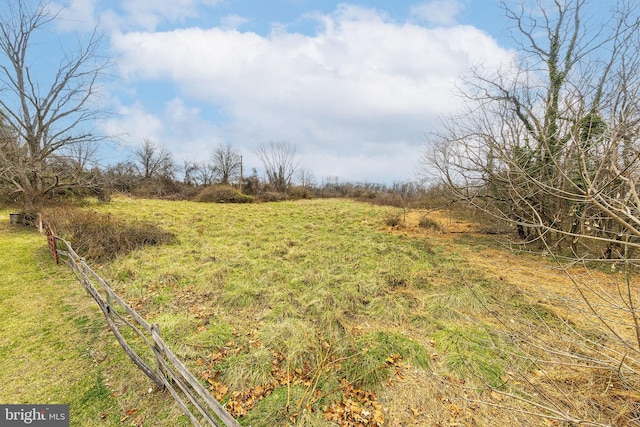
pixel 101 237
pixel 299 312
pixel 434 285
pixel 571 325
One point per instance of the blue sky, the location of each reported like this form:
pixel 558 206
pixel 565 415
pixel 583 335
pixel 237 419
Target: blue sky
pixel 355 86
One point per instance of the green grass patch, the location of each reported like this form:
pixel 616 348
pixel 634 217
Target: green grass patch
pixel 292 278
pixel 213 336
pixel 269 411
pixel 376 355
pixel 175 328
pixel 470 352
pixel 324 291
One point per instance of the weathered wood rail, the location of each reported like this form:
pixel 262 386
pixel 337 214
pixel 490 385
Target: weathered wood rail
pixel 170 373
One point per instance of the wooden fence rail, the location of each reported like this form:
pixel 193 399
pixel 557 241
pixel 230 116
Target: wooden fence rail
pixel 169 373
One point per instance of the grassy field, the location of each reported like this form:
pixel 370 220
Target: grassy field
pixel 309 313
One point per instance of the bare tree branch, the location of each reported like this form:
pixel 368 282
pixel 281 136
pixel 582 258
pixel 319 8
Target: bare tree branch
pixel 43 120
pixel 279 162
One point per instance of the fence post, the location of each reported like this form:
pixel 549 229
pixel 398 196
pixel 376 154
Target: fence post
pixel 158 350
pixel 110 305
pixel 51 240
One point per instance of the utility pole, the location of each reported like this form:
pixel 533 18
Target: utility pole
pixel 241 178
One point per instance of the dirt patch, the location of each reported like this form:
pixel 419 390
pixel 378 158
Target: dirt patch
pixel 446 224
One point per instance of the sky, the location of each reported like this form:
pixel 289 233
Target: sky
pixel 355 86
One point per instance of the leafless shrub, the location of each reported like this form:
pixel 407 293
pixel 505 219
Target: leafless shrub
pixel 102 237
pixel 222 194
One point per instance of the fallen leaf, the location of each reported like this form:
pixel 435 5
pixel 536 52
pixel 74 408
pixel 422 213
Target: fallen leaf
pixel 138 422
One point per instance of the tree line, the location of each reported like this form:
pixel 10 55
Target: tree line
pixel 48 144
pixel 152 171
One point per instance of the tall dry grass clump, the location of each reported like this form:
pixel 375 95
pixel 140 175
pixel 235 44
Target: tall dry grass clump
pixel 222 194
pixel 101 237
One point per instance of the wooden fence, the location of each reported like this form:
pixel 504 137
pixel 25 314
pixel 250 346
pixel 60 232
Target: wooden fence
pixel 169 373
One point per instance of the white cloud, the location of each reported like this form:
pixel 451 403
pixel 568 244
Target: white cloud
pixel 186 128
pixel 133 124
pixel 362 87
pixel 126 15
pixel 232 22
pixel 147 14
pixel 76 15
pixel 438 12
pixel 176 126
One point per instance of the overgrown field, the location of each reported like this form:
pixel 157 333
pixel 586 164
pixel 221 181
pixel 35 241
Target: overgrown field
pixel 323 312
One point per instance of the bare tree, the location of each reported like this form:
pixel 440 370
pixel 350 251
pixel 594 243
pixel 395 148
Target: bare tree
pixel 81 156
pixel 198 173
pixel 529 131
pixel 279 162
pixel 42 117
pixel 306 178
pixel 551 146
pixel 122 177
pixel 226 163
pixel 153 161
pixel 205 174
pixel 189 170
